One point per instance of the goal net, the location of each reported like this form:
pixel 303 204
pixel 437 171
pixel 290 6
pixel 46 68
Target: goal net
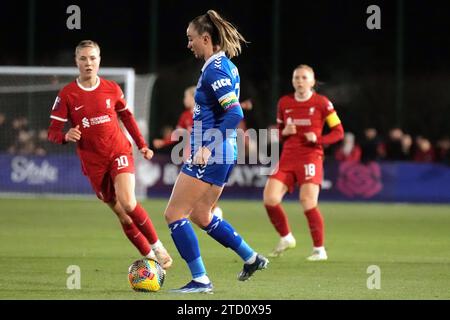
pixel 29 164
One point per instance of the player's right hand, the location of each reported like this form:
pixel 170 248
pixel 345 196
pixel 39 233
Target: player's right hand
pixel 147 153
pixel 290 128
pixel 158 143
pixel 201 156
pixel 74 134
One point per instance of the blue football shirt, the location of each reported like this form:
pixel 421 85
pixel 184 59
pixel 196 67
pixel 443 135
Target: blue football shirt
pixel 217 92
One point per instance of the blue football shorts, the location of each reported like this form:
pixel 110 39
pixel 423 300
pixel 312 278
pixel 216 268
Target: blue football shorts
pixel 214 173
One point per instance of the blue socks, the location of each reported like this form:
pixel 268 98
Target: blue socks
pixel 186 241
pixel 221 231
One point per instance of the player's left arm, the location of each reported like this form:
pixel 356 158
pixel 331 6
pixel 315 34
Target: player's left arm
pixel 334 123
pixel 229 102
pixel 131 125
pixel 336 130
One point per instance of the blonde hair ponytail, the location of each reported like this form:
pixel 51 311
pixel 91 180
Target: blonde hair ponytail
pixel 222 32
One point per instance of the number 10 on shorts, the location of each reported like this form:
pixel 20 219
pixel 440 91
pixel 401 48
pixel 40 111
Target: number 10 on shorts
pixel 310 170
pixel 122 162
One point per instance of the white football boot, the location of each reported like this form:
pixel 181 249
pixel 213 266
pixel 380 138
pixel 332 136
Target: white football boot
pixel 151 255
pixel 287 242
pixel 161 255
pixel 318 254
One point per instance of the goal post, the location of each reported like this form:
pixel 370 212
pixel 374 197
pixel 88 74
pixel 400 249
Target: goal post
pixel 29 164
pixel 127 74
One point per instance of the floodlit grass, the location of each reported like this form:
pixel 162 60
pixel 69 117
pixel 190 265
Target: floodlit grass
pixel 41 238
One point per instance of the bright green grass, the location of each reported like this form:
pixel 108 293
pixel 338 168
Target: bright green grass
pixel 40 238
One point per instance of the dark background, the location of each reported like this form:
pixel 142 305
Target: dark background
pixel 398 75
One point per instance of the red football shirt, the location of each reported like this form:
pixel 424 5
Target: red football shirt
pixel 308 116
pixel 95 111
pixel 186 120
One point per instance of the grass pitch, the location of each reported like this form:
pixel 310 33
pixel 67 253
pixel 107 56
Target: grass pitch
pixel 41 238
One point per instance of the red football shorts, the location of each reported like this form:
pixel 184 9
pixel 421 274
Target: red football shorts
pixel 304 171
pixel 102 176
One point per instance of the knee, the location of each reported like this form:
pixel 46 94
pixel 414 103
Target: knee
pixel 201 215
pixel 121 214
pixel 128 204
pixel 308 202
pixel 169 217
pixel 271 199
pixel 173 214
pixel 202 220
pixel 125 220
pixel 272 196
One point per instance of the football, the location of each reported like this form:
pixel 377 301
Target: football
pixel 146 275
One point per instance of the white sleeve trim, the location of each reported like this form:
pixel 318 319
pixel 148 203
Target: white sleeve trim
pixel 58 118
pixel 126 107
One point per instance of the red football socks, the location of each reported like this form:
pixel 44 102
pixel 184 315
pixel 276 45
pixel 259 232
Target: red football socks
pixel 144 223
pixel 316 227
pixel 279 219
pixel 137 238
